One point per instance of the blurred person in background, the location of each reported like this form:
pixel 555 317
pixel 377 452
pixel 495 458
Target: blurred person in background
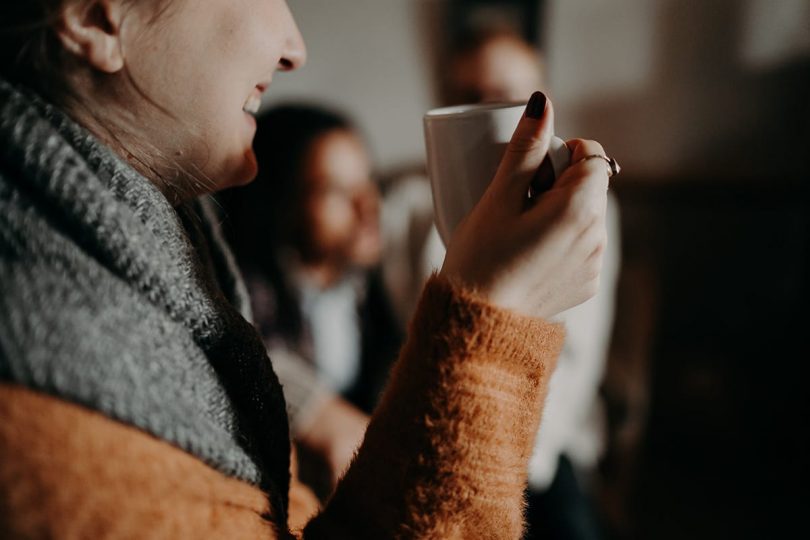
pixel 492 65
pixel 306 234
pixel 498 65
pixel 488 65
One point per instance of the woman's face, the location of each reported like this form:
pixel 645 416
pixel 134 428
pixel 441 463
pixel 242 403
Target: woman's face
pixel 207 62
pixel 339 203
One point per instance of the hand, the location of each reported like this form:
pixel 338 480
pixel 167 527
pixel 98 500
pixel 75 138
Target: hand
pixel 335 433
pixel 542 256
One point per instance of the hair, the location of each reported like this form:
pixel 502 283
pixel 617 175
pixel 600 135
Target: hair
pixel 30 52
pixel 265 209
pixel 262 216
pixel 31 55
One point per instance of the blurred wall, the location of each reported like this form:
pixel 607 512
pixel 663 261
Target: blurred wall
pixel 684 86
pixel 672 86
pixel 365 57
pixel 705 105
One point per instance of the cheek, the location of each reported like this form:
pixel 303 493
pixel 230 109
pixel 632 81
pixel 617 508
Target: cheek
pixel 333 219
pixel 203 83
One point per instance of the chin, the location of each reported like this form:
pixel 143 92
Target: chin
pixel 244 172
pixel 249 170
pixel 367 256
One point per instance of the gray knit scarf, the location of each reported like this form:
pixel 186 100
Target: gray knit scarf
pixel 113 299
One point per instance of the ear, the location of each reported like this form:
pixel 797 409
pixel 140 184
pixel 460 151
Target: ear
pixel 91 30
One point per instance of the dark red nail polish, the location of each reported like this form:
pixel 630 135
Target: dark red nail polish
pixel 536 106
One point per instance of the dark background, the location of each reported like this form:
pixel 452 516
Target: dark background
pixel 708 371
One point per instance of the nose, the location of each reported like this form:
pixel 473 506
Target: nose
pixel 294 54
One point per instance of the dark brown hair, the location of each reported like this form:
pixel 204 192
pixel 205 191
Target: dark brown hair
pixel 30 52
pixel 263 216
pixel 32 55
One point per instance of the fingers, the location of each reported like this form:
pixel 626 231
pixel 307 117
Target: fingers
pixel 578 200
pixel 526 150
pixel 584 183
pixel 580 149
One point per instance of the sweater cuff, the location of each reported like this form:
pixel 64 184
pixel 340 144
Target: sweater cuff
pixel 457 318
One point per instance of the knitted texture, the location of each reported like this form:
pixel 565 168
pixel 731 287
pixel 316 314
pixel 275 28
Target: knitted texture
pixel 113 299
pixel 446 453
pixel 445 456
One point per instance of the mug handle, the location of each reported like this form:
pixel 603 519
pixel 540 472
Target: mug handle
pixel 556 161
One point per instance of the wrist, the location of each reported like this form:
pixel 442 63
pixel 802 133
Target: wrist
pixel 477 318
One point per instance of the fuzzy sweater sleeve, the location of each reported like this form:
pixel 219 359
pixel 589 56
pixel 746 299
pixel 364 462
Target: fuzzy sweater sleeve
pixel 444 457
pixel 446 453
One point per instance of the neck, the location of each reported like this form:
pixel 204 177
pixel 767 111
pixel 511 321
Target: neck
pixel 120 128
pixel 322 274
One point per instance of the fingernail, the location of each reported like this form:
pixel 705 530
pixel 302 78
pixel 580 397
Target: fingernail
pixel 536 106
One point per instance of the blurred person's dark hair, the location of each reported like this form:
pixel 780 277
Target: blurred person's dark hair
pixel 308 228
pixel 262 211
pixel 261 216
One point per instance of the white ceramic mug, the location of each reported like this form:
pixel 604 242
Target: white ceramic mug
pixel 465 145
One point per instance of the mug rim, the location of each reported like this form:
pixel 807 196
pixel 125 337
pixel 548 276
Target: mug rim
pixel 460 111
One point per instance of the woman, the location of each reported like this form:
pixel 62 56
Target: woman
pixel 136 400
pixel 306 234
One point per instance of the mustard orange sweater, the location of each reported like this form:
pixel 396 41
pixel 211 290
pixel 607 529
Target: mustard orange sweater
pixel 445 455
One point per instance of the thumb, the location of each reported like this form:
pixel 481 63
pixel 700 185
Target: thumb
pixel 528 147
